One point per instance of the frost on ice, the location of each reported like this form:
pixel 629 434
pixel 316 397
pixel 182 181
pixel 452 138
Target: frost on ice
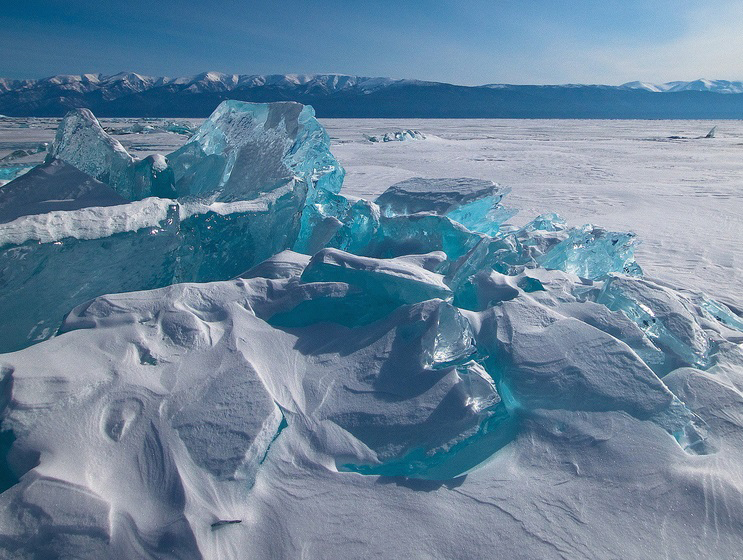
pixel 368 361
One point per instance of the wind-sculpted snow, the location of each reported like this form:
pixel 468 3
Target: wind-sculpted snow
pixel 459 387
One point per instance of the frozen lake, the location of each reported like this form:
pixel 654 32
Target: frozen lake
pixel 683 196
pixel 347 405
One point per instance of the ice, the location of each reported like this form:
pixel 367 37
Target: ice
pixel 397 136
pixel 395 365
pixel 153 177
pixel 359 227
pixel 183 128
pixel 59 240
pixel 474 203
pixel 245 150
pixel 321 220
pixel 548 361
pixel 25 152
pixel 452 342
pixel 350 290
pixel 386 414
pixel 403 279
pixel 46 260
pixel 720 312
pixel 10 172
pixel 618 325
pixel 82 143
pixel 592 252
pixel 664 316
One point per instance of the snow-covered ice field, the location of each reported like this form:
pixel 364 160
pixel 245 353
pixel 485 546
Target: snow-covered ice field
pixel 388 407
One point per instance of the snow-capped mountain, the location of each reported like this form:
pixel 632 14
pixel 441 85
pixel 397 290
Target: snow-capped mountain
pixel 129 94
pixel 717 86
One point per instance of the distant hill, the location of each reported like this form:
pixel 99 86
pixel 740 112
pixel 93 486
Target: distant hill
pixel 334 95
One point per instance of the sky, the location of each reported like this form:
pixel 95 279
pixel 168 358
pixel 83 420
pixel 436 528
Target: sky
pixel 463 42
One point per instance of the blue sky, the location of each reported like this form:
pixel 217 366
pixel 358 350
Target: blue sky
pixel 463 42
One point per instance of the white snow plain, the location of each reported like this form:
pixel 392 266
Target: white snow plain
pixel 148 450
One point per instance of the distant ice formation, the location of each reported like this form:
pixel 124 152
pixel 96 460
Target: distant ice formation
pixel 410 367
pixel 397 136
pixel 184 128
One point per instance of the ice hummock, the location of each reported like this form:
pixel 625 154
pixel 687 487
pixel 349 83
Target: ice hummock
pixel 245 150
pixel 82 142
pixel 60 246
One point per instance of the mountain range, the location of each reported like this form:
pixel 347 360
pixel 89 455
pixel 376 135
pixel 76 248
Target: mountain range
pixel 130 94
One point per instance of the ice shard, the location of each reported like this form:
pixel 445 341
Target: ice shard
pixel 450 342
pixel 548 361
pixel 720 312
pixel 474 203
pixel 10 172
pixel 406 279
pixel 81 142
pixel 397 136
pixel 666 317
pixel 245 150
pixel 592 252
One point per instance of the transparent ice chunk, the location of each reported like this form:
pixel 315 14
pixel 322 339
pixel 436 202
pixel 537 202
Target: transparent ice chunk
pixel 474 203
pixel 720 312
pixel 592 252
pixel 450 341
pixel 245 150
